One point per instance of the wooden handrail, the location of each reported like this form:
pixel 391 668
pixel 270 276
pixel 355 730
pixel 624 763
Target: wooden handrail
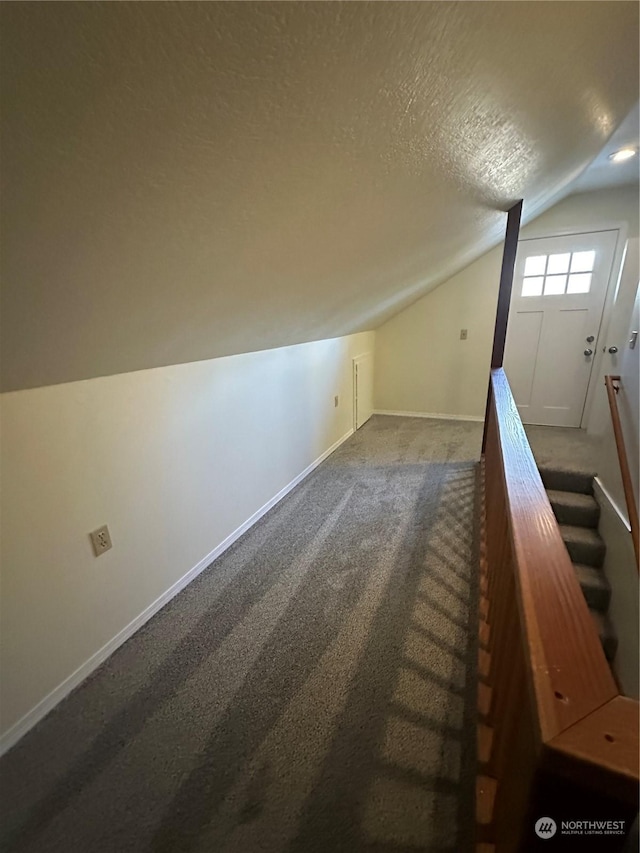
pixel 554 730
pixel 627 484
pixel 569 671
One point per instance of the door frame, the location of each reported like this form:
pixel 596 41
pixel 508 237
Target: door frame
pixel 354 373
pixel 610 292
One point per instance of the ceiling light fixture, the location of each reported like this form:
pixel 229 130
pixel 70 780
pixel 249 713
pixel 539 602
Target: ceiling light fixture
pixel 622 154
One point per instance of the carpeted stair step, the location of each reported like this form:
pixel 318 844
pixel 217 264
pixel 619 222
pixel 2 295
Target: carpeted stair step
pixel 567 481
pixel 574 508
pixel 606 633
pixel 595 587
pixel 583 544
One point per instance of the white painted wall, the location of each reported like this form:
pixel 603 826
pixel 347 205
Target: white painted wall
pixel 620 569
pixel 620 564
pixel 421 363
pixel 599 423
pixel 422 366
pixel 174 460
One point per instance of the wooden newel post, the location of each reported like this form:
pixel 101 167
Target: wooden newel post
pixel 504 295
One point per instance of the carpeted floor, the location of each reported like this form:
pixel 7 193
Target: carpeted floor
pixel 313 691
pixel 563 448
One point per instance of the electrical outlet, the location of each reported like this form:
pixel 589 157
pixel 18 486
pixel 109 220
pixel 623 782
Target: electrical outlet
pixel 336 400
pixel 101 540
pixel 463 334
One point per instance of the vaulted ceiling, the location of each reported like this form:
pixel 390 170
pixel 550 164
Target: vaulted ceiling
pixel 189 180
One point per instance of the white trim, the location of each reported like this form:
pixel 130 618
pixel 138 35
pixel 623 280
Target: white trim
pixel 571 231
pixel 603 496
pixel 437 415
pixel 598 372
pixel 354 393
pixel 355 362
pixel 39 711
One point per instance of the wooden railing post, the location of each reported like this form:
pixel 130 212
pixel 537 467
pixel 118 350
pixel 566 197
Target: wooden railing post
pixel 506 283
pixel 504 295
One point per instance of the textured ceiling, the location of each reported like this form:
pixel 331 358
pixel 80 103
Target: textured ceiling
pixel 603 172
pixel 189 180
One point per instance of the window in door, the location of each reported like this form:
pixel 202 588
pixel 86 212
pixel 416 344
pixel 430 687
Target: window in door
pixel 555 275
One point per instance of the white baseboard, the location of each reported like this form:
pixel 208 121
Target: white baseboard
pixel 602 496
pixel 39 711
pixel 437 415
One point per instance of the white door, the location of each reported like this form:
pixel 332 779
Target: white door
pixel 559 288
pixel 362 389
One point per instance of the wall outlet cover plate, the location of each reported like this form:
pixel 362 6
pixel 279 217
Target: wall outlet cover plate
pixel 101 540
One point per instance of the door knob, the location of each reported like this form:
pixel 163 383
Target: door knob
pixel 590 339
pixel 588 352
pixel 613 350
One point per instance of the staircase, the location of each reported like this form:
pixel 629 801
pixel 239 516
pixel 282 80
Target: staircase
pixel 571 497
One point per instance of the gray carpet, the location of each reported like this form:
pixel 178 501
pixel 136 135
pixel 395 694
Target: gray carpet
pixel 313 690
pixel 563 448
